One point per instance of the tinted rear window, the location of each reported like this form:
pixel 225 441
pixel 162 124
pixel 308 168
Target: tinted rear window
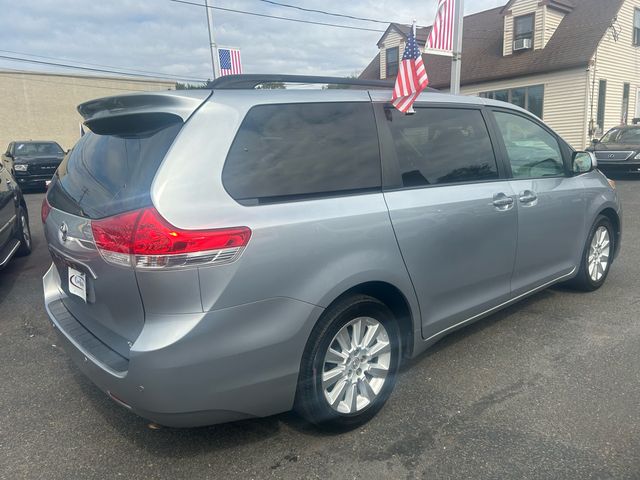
pixel 109 174
pixel 441 145
pixel 303 150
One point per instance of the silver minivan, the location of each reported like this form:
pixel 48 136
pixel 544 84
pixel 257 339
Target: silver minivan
pixel 237 252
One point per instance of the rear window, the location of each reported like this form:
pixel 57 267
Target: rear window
pixel 109 174
pixel 284 152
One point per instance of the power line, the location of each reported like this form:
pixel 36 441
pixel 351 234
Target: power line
pixel 77 67
pixel 177 77
pixel 310 22
pixel 324 12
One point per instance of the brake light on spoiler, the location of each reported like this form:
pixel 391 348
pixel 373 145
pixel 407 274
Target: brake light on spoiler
pixel 142 238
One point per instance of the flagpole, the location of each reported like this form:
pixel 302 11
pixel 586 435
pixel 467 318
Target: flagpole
pixel 212 43
pixel 456 59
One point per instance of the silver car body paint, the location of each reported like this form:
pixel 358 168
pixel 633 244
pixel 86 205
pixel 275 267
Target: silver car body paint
pixel 210 344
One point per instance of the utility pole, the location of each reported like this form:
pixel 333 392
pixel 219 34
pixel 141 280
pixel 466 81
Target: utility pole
pixel 456 59
pixel 212 42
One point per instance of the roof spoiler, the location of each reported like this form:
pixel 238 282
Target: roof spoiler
pixel 180 105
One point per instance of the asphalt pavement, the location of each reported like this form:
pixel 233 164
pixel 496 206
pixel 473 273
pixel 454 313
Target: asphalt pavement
pixel 549 389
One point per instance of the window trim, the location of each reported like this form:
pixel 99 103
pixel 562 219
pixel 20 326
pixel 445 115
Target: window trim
pixel 391 177
pixel 635 31
pixel 564 153
pixel 396 62
pixel 533 28
pixel 301 197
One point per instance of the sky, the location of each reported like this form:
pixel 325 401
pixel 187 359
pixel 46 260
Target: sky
pixel 165 37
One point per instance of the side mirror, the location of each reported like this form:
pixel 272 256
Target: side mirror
pixel 583 162
pixel 595 141
pixel 8 155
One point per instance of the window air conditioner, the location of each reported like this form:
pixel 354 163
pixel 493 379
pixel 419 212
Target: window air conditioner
pixel 522 44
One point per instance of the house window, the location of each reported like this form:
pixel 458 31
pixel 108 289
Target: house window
pixel 602 100
pixel 636 27
pixel 523 27
pixel 624 118
pixel 529 98
pixel 392 61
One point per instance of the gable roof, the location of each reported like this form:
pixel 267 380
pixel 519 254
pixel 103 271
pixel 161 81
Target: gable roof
pixel 572 45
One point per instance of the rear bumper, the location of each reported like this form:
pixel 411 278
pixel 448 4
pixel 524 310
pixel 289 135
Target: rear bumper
pixel 198 369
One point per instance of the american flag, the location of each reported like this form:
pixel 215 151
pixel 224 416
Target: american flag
pixel 441 36
pixel 412 76
pixel 230 62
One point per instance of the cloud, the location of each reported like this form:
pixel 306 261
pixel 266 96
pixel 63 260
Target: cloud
pixel 168 37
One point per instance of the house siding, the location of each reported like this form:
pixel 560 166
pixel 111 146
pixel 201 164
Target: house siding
pixel 43 106
pixel 524 7
pixel 563 106
pixel 617 63
pixel 552 19
pixel 392 39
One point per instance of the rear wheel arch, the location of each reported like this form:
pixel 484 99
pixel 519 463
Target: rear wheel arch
pixel 395 300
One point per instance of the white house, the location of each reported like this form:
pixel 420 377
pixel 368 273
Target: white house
pixel 574 63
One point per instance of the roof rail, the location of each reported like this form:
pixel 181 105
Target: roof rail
pixel 250 81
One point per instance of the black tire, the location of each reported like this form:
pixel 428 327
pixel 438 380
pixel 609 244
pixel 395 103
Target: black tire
pixel 311 402
pixel 23 233
pixel 583 280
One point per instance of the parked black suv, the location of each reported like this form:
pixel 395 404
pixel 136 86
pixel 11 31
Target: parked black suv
pixel 33 163
pixel 15 236
pixel 618 151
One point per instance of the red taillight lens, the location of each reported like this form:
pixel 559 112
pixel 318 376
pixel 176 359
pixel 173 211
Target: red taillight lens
pixel 155 236
pixel 155 243
pixel 44 210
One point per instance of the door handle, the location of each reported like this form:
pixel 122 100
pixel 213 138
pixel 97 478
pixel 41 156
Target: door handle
pixel 502 202
pixel 528 197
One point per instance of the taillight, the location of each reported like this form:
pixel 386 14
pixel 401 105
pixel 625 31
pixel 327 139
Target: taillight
pixel 44 210
pixel 146 240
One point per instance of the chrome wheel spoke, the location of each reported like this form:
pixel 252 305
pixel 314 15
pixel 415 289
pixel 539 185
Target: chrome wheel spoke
pixel 333 356
pixel 351 398
pixel 365 390
pixel 379 348
pixel 378 370
pixel 332 376
pixel 356 334
pixel 370 336
pixel 344 340
pixel 338 393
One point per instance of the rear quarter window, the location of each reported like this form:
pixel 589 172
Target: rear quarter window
pixel 291 151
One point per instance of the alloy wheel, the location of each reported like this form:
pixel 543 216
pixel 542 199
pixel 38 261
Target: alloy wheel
pixel 599 251
pixel 356 365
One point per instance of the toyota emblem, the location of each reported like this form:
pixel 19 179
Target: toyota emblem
pixel 612 155
pixel 64 230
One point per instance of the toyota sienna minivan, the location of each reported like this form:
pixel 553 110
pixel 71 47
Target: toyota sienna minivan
pixel 236 252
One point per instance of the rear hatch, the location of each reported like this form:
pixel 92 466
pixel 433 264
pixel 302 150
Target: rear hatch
pixel 109 172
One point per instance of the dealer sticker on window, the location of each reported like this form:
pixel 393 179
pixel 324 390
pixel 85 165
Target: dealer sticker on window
pixel 77 283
